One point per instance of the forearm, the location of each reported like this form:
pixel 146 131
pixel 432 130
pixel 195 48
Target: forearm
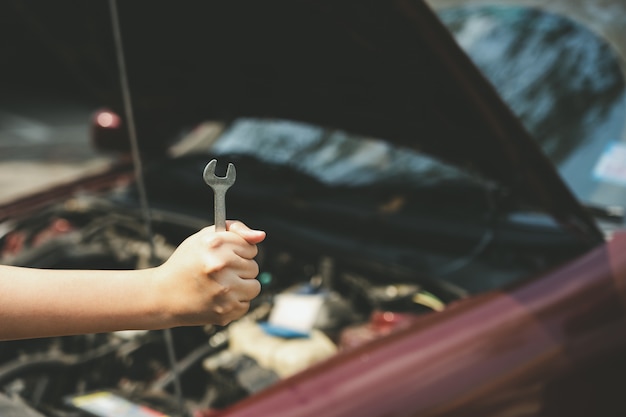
pixel 208 279
pixel 63 302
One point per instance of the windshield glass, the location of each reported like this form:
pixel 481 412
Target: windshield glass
pixel 334 156
pixel 564 81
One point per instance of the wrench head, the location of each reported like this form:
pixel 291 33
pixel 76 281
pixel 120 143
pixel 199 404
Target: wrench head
pixel 213 180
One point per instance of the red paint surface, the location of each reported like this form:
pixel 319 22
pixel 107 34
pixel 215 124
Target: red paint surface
pixel 526 351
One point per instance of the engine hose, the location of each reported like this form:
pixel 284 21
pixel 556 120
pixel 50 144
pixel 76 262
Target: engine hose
pixel 51 361
pixel 217 342
pixel 187 362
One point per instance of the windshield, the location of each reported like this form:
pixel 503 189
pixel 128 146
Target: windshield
pixel 335 157
pixel 564 81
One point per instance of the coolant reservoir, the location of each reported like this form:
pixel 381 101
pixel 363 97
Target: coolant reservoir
pixel 284 356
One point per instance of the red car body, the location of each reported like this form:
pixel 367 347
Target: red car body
pixel 551 346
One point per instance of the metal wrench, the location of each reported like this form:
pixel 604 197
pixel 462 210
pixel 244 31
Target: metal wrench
pixel 219 185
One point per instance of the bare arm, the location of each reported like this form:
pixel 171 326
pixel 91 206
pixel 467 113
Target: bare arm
pixel 208 279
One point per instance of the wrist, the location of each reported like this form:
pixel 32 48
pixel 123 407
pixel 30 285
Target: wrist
pixel 157 301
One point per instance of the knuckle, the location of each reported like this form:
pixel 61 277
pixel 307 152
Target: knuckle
pixel 216 265
pixel 223 290
pixel 223 321
pixel 245 307
pixel 214 241
pixel 219 292
pixel 257 289
pixel 255 268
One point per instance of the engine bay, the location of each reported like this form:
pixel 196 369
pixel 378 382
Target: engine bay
pixel 313 306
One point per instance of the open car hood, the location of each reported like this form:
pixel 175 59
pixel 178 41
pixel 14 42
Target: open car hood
pixel 390 70
pixel 386 69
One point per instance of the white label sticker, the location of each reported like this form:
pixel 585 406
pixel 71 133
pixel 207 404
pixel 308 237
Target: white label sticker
pixel 296 312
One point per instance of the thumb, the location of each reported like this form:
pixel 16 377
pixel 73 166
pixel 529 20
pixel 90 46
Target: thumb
pixel 250 235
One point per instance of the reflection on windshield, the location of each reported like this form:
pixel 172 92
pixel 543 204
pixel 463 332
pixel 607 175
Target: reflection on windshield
pixel 333 156
pixel 562 80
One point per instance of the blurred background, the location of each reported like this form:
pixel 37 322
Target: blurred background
pixel 44 141
pixel 46 106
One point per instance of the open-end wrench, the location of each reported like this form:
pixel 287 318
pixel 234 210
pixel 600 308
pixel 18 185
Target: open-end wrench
pixel 219 185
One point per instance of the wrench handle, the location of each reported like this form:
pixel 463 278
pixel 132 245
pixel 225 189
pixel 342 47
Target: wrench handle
pixel 219 204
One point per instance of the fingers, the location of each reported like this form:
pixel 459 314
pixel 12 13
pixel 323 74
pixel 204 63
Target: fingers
pixel 245 268
pixel 227 260
pixel 234 302
pixel 248 289
pixel 235 289
pixel 231 312
pixel 241 245
pixel 220 245
pixel 249 235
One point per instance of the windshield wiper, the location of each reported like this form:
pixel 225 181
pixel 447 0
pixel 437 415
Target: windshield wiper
pixel 613 214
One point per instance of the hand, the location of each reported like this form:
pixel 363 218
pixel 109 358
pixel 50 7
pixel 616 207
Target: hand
pixel 210 277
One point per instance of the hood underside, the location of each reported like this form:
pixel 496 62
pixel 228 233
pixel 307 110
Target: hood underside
pixel 387 69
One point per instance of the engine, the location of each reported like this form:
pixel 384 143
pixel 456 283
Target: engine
pixel 313 305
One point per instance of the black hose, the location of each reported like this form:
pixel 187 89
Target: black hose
pixel 187 362
pixel 43 362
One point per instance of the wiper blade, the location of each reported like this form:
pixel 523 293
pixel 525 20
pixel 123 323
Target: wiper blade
pixel 613 214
